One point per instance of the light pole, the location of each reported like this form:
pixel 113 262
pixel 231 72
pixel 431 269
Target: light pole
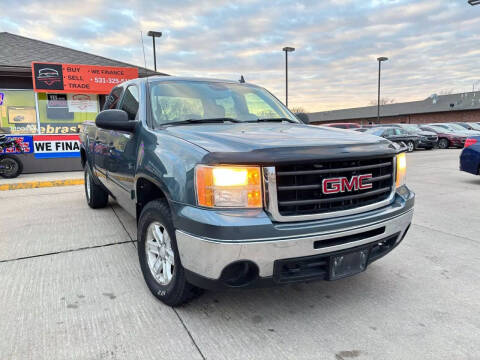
pixel 380 59
pixel 154 34
pixel 287 50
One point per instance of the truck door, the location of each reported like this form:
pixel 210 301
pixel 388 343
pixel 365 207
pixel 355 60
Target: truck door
pixel 102 139
pixel 122 149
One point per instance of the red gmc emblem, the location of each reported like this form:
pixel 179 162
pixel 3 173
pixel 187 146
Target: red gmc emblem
pixel 342 184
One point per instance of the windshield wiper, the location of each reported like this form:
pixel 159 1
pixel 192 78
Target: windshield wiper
pixel 273 120
pixel 200 121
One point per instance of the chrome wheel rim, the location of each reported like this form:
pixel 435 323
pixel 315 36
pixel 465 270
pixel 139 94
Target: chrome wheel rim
pixel 88 185
pixel 160 258
pixel 410 146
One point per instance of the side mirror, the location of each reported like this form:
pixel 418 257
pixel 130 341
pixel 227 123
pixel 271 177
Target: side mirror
pixel 114 119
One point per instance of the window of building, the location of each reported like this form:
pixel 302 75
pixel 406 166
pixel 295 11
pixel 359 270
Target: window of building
pixel 62 113
pixel 17 112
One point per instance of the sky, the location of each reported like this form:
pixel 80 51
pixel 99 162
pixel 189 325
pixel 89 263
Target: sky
pixel 433 46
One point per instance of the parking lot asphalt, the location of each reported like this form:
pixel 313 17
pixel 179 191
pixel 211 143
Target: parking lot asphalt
pixel 71 288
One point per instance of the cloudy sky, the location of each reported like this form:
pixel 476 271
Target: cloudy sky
pixel 433 45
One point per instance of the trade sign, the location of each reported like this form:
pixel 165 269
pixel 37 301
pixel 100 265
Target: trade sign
pixel 79 79
pixel 56 146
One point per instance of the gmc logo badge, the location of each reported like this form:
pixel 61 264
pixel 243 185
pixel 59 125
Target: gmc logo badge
pixel 342 184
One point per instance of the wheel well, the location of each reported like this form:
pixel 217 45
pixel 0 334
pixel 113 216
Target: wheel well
pixel 147 191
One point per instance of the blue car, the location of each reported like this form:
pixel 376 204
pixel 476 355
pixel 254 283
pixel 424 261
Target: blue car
pixel 470 156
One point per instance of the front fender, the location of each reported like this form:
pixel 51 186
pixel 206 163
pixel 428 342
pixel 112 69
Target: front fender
pixel 169 162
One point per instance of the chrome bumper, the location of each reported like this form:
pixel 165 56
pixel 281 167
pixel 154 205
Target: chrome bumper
pixel 208 257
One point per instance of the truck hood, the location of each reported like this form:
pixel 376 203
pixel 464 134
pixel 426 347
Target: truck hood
pixel 266 143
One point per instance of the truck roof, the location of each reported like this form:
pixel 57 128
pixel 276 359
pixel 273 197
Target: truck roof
pixel 188 78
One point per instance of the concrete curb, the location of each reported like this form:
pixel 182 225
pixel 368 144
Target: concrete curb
pixel 40 184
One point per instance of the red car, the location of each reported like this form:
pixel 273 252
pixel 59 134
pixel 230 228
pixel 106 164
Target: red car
pixel 446 138
pixel 343 125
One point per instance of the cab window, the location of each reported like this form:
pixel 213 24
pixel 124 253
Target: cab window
pixel 130 102
pixel 113 98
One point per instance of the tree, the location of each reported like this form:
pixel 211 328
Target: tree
pixel 300 113
pixel 383 101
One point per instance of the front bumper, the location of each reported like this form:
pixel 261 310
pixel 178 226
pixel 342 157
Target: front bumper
pixel 427 143
pixel 205 258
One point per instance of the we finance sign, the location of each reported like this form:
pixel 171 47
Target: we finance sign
pixel 56 146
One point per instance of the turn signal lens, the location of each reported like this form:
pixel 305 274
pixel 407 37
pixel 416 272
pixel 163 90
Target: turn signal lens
pixel 401 169
pixel 228 186
pixel 470 142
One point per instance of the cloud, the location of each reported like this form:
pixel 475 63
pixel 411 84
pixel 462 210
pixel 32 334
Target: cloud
pixel 431 44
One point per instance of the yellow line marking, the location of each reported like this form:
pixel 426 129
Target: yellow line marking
pixel 41 184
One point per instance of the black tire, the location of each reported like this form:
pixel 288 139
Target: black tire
pixel 177 291
pixel 97 197
pixel 14 166
pixel 410 146
pixel 443 143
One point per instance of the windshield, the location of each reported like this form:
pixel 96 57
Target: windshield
pixel 474 126
pixel 175 101
pixel 439 128
pixel 412 128
pixel 455 127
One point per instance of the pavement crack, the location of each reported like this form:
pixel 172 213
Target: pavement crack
pixel 189 334
pixel 65 251
pixel 123 226
pixel 446 233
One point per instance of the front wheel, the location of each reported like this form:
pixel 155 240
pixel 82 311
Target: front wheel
pixel 443 143
pixel 410 146
pixel 159 257
pixel 10 167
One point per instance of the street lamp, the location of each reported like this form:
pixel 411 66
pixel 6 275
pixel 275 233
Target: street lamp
pixel 154 34
pixel 380 59
pixel 474 2
pixel 287 50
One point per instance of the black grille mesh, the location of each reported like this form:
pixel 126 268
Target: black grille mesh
pixel 299 186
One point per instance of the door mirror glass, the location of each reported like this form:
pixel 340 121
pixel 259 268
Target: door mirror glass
pixel 114 119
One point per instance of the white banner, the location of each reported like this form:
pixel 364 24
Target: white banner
pixel 82 103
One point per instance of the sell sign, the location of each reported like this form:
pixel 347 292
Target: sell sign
pixel 56 146
pixel 26 143
pixel 80 79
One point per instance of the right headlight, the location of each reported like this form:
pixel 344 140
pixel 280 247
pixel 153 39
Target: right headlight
pixel 401 169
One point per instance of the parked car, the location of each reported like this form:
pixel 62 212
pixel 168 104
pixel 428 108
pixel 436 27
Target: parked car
pixel 428 139
pixel 446 138
pixel 397 135
pixel 469 126
pixel 470 156
pixel 243 198
pixel 458 129
pixel 352 126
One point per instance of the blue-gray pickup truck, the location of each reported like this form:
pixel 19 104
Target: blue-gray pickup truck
pixel 231 190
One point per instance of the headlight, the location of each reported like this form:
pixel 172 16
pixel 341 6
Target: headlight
pixel 401 169
pixel 229 186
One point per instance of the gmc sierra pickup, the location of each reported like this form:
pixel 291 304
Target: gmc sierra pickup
pixel 229 189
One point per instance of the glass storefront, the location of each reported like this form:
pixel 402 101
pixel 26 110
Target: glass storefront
pixel 53 114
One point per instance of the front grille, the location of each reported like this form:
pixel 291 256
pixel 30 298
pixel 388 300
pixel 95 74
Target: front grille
pixel 299 186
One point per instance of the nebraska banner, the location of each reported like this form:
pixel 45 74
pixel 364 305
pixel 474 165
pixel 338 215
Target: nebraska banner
pixel 56 146
pixel 80 79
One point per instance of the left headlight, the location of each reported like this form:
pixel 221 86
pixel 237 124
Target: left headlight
pixel 401 169
pixel 228 186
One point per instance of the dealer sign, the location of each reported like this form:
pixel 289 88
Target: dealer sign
pixel 56 146
pixel 79 79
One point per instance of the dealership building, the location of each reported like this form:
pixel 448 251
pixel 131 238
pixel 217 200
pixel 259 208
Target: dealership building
pixel 47 91
pixel 463 107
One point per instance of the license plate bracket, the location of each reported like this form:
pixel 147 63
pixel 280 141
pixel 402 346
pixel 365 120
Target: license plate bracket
pixel 348 264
